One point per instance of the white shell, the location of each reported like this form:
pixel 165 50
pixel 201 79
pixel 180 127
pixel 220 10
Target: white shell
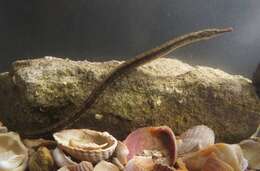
pixel 195 138
pixel 105 166
pixel 13 153
pixel 61 159
pixel 86 145
pixel 251 150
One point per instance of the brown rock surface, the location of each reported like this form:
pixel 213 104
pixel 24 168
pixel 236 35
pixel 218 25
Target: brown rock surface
pixel 37 93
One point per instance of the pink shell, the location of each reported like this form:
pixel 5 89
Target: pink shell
pixel 152 138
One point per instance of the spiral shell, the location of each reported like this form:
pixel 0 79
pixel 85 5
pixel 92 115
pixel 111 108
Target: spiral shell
pixel 86 145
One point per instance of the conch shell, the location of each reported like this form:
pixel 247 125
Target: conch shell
pixel 230 154
pixel 152 138
pixel 195 139
pixel 86 145
pixel 13 153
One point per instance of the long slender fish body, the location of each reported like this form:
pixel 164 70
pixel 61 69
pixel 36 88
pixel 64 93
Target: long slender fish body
pixel 125 68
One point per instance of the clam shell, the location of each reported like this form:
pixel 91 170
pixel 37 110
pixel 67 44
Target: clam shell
pixel 83 166
pixel 13 153
pixel 61 159
pixel 152 138
pixel 231 154
pixel 251 150
pixel 105 166
pixel 195 139
pixel 86 145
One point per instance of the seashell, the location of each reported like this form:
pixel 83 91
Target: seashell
pixel 140 163
pixel 180 165
pixel 118 163
pixel 195 139
pixel 231 154
pixel 13 153
pixel 105 166
pixel 213 163
pixel 83 166
pixel 121 152
pixel 36 143
pixel 41 160
pixel 85 144
pixel 9 160
pixel 251 150
pixel 152 138
pixel 162 167
pixel 61 159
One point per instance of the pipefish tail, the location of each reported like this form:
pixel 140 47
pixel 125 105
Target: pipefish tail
pixel 125 68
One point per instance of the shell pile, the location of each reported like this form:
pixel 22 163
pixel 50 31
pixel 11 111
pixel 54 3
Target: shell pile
pixel 145 149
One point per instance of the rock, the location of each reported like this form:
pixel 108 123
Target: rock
pixel 40 92
pixel 256 79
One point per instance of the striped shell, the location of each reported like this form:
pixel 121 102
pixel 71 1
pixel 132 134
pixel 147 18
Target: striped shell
pixel 86 145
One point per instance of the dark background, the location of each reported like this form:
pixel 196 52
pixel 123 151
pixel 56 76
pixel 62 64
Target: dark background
pixel 119 29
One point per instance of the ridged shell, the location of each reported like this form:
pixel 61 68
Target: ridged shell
pixel 13 153
pixel 105 166
pixel 195 139
pixel 41 160
pixel 251 150
pixel 86 145
pixel 83 166
pixel 61 159
pixel 231 154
